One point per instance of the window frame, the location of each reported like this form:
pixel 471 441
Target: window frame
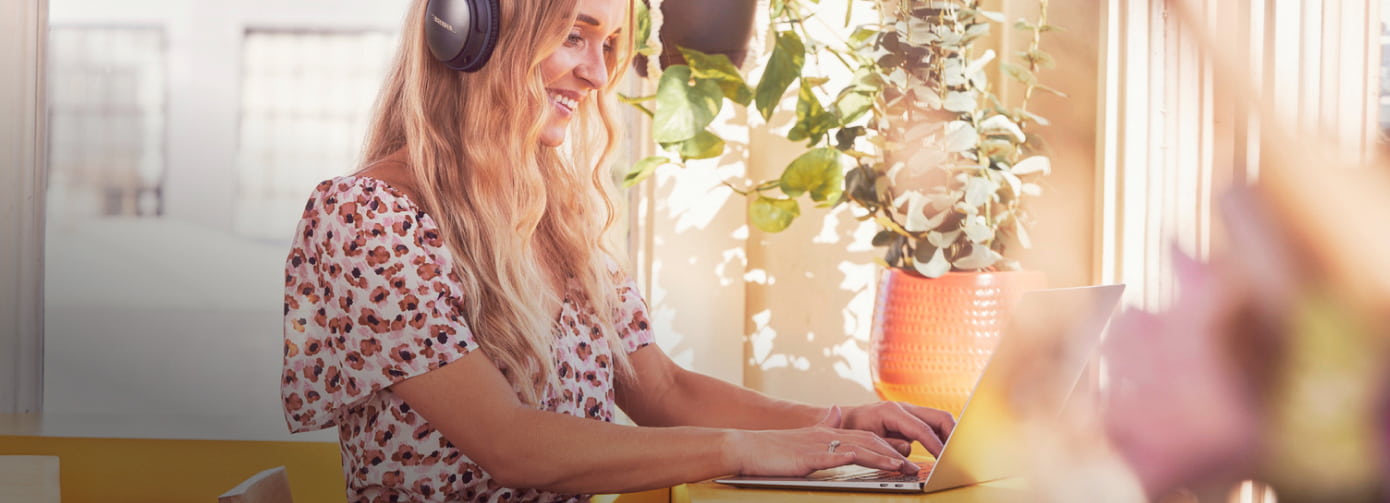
pixel 24 78
pixel 23 140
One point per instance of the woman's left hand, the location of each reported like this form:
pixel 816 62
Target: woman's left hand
pixel 901 423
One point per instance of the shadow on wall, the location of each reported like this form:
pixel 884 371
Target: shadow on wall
pixel 785 314
pixel 698 263
pixel 811 295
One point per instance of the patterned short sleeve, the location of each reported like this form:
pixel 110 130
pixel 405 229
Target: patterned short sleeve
pixel 370 300
pixel 634 324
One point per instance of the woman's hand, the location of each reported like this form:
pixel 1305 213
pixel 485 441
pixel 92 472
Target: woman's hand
pixel 899 424
pixel 801 451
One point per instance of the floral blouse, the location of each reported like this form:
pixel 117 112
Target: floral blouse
pixel 372 299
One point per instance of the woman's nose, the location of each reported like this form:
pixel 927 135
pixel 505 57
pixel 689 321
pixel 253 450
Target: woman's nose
pixel 593 69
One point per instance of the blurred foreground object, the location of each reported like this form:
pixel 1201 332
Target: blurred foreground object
pixel 1272 363
pixel 1239 380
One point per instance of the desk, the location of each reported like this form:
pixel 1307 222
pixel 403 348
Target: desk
pixel 709 492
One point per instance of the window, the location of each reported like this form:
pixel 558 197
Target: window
pixel 106 114
pixel 1384 109
pixel 306 100
pixel 23 148
pixel 178 138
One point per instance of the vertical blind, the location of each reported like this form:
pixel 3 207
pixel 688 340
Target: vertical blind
pixel 1179 130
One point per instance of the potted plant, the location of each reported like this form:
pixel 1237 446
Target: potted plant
pixel 916 142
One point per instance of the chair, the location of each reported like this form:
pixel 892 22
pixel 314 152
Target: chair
pixel 269 486
pixel 29 479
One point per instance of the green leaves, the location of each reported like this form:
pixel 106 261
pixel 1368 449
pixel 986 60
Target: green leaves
pixel 1020 74
pixel 1039 58
pixel 940 163
pixel 687 100
pixel 812 121
pixel 930 261
pixel 859 187
pixel 684 106
pixel 637 101
pixel 817 171
pixel 773 215
pixel 783 68
pixel 718 68
pixel 643 169
pixel 851 105
pixel 705 145
pixel 644 31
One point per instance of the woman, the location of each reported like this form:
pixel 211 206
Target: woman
pixel 450 308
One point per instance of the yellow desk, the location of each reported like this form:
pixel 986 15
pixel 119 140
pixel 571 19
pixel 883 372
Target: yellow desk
pixel 709 492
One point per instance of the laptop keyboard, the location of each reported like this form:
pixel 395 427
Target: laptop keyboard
pixel 861 474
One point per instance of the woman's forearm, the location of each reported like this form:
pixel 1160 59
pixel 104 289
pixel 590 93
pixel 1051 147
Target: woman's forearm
pixel 708 401
pixel 471 403
pixel 562 453
pixel 664 394
pixel 473 406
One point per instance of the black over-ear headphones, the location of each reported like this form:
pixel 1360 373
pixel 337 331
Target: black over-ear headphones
pixel 462 33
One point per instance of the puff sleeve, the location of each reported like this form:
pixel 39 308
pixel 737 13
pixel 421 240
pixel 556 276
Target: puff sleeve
pixel 633 320
pixel 370 300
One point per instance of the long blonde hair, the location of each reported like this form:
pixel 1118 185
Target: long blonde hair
pixel 505 204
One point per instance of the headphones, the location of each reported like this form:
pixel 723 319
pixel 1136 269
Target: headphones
pixel 462 33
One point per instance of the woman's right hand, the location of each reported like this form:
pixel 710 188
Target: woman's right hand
pixel 799 452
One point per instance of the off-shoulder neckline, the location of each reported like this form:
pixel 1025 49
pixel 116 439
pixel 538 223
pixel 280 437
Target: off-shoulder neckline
pixel 395 191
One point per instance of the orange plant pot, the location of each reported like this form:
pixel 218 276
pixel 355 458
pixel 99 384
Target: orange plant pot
pixel 932 338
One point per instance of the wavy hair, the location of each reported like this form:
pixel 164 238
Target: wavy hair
pixel 515 215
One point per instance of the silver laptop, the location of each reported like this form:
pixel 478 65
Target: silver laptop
pixel 1051 336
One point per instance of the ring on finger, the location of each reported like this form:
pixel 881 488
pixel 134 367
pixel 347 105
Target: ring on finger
pixel 833 445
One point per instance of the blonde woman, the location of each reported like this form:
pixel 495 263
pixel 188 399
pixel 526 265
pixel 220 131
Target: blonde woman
pixel 452 310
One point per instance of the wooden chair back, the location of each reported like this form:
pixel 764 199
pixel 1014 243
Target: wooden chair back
pixel 269 486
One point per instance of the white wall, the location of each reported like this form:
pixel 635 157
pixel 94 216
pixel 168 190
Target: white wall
pixel 693 257
pixel 786 314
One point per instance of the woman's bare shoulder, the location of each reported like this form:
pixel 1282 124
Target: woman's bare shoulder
pixel 393 172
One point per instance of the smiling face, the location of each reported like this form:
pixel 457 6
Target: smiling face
pixel 580 65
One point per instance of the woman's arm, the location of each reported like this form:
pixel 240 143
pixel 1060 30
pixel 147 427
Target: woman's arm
pixel 664 394
pixel 472 404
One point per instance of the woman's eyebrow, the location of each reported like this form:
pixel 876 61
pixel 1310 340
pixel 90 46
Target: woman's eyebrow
pixel 590 20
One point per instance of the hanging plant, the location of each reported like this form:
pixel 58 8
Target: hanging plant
pixel 916 141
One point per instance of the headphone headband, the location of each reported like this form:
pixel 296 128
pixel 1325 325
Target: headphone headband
pixel 462 33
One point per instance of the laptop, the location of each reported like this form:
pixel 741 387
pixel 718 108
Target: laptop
pixel 1040 357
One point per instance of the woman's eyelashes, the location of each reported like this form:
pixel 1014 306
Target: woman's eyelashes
pixel 576 39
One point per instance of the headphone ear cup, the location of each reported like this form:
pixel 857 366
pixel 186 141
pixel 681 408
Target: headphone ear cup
pixel 462 33
pixel 491 29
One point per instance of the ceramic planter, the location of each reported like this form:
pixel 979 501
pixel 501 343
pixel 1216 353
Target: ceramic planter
pixel 932 338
